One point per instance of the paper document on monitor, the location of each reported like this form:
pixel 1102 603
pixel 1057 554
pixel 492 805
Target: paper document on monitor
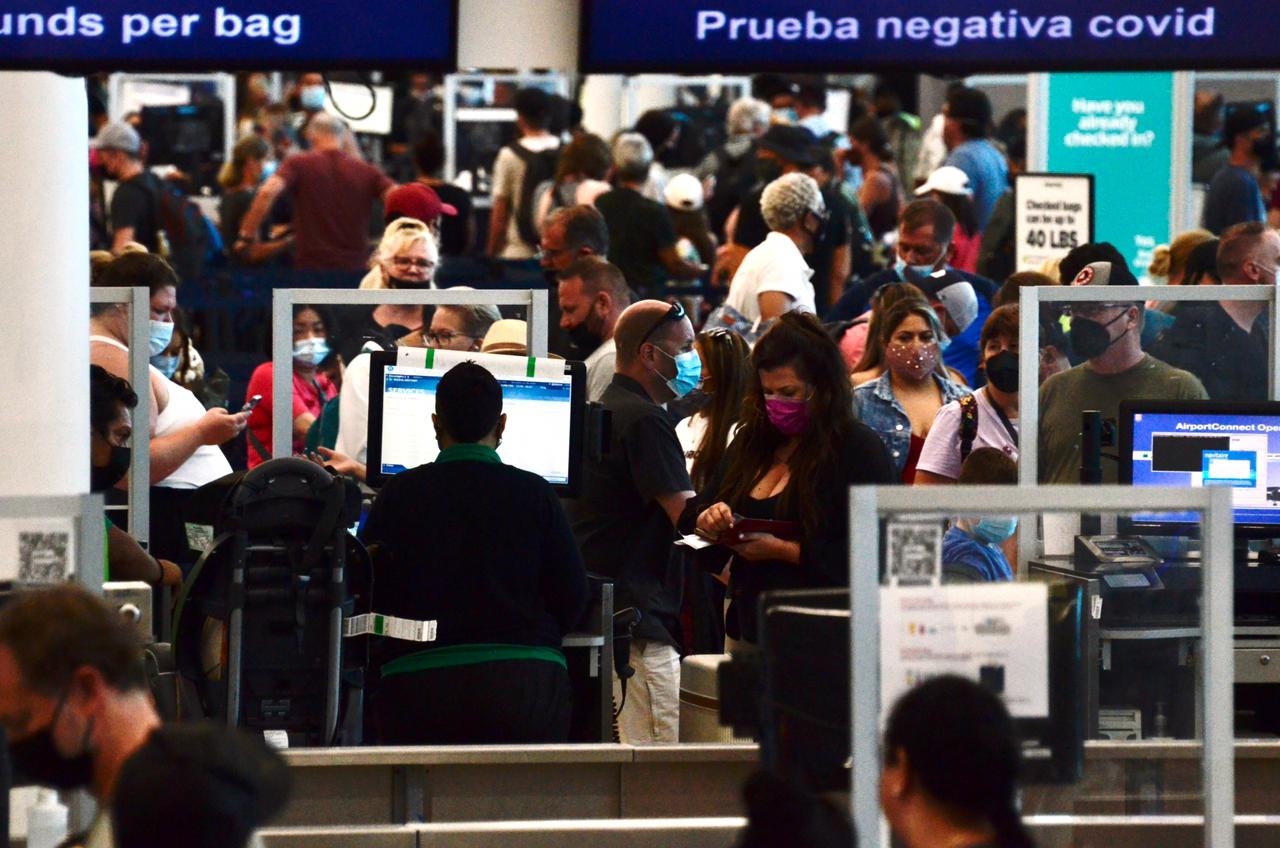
pixel 499 365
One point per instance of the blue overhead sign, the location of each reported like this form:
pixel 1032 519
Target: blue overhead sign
pixel 620 36
pixel 117 35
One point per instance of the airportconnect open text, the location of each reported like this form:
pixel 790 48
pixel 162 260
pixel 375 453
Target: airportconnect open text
pixel 714 26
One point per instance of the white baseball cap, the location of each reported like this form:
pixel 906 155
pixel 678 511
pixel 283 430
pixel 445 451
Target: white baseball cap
pixel 948 179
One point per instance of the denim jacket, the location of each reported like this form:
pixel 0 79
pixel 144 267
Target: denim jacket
pixel 875 406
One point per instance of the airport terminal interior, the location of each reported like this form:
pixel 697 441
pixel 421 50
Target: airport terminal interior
pixel 737 424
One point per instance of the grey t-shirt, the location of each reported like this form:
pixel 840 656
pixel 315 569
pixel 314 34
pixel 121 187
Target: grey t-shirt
pixel 1065 395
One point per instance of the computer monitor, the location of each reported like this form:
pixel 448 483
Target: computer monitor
pixel 1204 443
pixel 545 401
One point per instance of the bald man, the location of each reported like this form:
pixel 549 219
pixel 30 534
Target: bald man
pixel 333 194
pixel 632 498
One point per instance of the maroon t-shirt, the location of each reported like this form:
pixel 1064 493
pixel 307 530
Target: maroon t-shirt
pixel 332 198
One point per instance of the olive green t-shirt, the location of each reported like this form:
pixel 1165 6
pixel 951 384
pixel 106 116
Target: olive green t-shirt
pixel 1065 395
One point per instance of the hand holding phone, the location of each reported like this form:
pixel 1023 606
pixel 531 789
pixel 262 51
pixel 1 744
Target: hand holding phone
pixel 251 403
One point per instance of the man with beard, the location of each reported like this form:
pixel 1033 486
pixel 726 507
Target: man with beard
pixel 568 234
pixel 592 295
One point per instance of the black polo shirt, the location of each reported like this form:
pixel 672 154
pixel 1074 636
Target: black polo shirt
pixel 1205 340
pixel 621 528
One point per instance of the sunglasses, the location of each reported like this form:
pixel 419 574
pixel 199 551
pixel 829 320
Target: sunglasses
pixel 675 313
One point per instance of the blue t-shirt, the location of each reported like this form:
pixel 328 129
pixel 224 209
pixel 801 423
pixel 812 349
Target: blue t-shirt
pixel 1234 197
pixel 971 560
pixel 987 171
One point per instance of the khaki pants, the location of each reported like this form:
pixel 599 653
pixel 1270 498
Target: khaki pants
pixel 651 714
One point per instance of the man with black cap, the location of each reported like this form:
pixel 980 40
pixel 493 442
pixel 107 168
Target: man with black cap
pixel 1235 195
pixel 964 131
pixel 784 150
pixel 76 708
pixel 1107 334
pixel 1226 343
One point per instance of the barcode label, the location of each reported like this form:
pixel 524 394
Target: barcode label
pixel 373 624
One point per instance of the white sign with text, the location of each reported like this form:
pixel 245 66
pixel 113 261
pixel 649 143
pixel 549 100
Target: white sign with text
pixel 1053 213
pixel 994 633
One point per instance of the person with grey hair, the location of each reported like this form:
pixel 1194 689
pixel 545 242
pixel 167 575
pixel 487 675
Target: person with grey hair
pixel 728 173
pixel 460 327
pixel 774 278
pixel 453 327
pixel 333 195
pixel 642 240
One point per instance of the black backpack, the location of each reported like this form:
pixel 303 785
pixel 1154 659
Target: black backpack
pixel 183 235
pixel 539 167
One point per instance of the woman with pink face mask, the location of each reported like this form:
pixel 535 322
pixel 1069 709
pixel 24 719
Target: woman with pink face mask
pixel 901 403
pixel 792 462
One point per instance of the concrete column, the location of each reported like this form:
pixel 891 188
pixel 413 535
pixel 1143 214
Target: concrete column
pixel 44 327
pixel 602 104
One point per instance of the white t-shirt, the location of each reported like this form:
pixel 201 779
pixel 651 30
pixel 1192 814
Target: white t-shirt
pixel 600 367
pixel 774 265
pixel 353 411
pixel 941 452
pixel 508 176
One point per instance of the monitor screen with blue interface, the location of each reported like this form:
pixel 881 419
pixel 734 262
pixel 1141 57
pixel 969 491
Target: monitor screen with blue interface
pixel 543 406
pixel 1206 444
pixel 228 35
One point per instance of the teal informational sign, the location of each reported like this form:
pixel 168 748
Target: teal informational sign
pixel 1118 127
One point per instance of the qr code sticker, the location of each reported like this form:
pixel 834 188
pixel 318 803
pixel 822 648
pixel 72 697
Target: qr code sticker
pixel 43 557
pixel 915 553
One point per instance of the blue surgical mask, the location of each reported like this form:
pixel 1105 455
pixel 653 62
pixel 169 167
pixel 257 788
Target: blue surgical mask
pixel 310 351
pixel 268 168
pixel 917 271
pixel 161 335
pixel 166 365
pixel 311 98
pixel 994 530
pixel 688 372
pixel 787 115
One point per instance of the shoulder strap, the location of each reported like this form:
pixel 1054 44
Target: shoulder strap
pixel 968 424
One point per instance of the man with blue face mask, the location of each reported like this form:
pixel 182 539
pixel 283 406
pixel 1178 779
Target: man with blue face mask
pixel 632 497
pixel 924 247
pixel 972 549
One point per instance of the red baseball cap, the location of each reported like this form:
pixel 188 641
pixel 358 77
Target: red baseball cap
pixel 415 200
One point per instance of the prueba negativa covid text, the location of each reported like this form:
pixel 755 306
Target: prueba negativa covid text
pixel 713 25
pixel 141 27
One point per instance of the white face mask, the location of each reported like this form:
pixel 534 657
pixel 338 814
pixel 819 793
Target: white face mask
pixel 310 351
pixel 161 335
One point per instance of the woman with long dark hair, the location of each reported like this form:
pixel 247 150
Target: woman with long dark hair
pixel 901 403
pixel 950 777
pixel 706 434
pixel 797 452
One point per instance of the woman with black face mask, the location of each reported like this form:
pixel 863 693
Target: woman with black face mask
pixel 406 258
pixel 111 400
pixel 986 419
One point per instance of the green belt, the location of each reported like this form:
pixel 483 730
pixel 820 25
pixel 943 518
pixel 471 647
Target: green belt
pixel 456 655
